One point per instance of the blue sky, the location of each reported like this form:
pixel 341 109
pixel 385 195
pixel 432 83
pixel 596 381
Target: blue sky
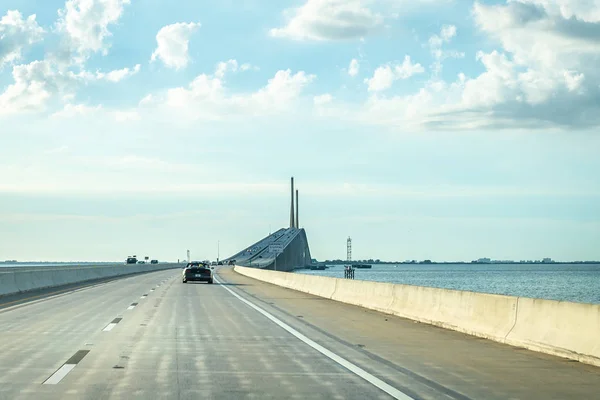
pixel 440 129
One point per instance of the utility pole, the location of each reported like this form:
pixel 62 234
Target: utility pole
pixel 218 249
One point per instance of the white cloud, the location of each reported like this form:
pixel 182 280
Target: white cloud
pixel 322 99
pixel 56 150
pixel 207 98
pixel 448 32
pixel 34 84
pixel 73 110
pixel 85 24
pixel 330 20
pixel 17 33
pixel 382 79
pixel 408 69
pixel 148 99
pixel 172 44
pixel 118 75
pixel 223 66
pixel 38 83
pixel 248 66
pixel 544 76
pixel 435 45
pixel 354 67
pixel 123 116
pixel 385 75
pixel 233 66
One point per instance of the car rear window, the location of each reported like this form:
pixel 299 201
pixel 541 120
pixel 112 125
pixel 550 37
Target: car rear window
pixel 196 270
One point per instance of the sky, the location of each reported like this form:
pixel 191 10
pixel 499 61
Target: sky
pixel 423 129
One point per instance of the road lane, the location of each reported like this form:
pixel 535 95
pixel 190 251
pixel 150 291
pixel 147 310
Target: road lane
pixel 37 338
pixel 195 341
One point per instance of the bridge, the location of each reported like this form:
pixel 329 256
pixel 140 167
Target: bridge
pixel 112 333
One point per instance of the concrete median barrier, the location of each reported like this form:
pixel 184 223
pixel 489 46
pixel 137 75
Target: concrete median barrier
pixel 7 284
pixel 14 280
pixel 562 328
pixel 566 329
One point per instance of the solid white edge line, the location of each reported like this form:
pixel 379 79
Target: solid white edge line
pixel 59 374
pixel 392 391
pixel 109 327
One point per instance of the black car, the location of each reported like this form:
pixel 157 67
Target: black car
pixel 197 272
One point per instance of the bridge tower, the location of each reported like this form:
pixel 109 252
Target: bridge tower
pixel 292 220
pixel 349 249
pixel 297 205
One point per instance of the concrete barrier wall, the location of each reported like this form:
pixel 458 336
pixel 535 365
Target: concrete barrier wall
pixel 565 329
pixel 15 281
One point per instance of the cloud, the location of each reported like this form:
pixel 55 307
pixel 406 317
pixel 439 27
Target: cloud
pixel 34 84
pixel 118 75
pixel 124 116
pixel 17 33
pixel 207 98
pixel 330 20
pixel 354 67
pixel 56 150
pixel 322 99
pixel 172 44
pixel 233 66
pixel 72 110
pixel 542 76
pixel 248 66
pixel 385 75
pixel 435 45
pixel 146 100
pixel 38 83
pixel 82 110
pixel 84 23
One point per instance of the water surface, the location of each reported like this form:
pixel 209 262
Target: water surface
pixel 571 282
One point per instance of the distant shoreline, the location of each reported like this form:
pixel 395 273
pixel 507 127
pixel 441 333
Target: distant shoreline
pixel 456 262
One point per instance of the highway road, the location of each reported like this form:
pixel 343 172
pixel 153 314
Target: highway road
pixel 152 337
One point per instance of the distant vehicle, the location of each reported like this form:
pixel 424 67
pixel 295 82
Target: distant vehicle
pixel 231 262
pixel 132 260
pixel 197 272
pixel 154 262
pixel 141 262
pixel 220 263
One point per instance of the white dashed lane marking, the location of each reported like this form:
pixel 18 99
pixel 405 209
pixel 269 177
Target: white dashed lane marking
pixel 110 326
pixel 66 368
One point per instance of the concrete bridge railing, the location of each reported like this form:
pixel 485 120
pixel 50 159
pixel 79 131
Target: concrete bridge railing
pixel 565 329
pixel 16 280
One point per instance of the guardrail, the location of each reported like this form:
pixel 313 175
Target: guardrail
pixel 565 329
pixel 14 281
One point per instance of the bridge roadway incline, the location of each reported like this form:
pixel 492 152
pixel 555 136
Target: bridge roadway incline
pixel 153 337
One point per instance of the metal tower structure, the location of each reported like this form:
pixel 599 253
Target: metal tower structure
pixel 292 222
pixel 349 249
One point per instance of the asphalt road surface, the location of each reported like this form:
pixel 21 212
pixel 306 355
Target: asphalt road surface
pixel 153 337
